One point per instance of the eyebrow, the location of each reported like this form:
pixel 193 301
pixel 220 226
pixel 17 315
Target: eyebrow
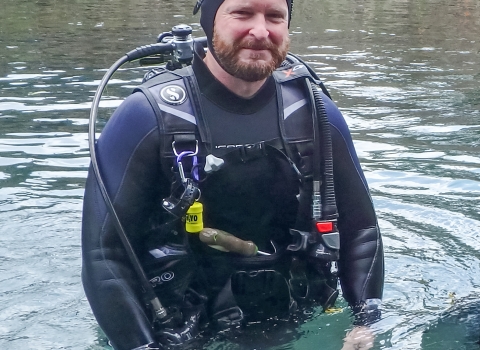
pixel 236 7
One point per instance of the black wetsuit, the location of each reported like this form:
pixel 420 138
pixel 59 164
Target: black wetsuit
pixel 257 204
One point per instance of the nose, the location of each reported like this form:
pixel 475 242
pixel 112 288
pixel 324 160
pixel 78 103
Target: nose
pixel 259 28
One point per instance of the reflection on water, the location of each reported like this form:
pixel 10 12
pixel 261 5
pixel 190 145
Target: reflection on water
pixel 462 317
pixel 404 73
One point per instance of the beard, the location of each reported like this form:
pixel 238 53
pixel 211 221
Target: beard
pixel 228 56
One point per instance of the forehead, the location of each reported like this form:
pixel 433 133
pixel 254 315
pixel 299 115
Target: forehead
pixel 261 4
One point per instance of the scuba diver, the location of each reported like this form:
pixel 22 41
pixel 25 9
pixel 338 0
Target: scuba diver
pixel 227 191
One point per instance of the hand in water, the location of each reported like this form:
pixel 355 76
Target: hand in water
pixel 360 337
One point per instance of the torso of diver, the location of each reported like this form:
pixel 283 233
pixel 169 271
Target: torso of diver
pixel 129 158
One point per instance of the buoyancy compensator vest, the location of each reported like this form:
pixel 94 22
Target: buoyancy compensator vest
pixel 298 266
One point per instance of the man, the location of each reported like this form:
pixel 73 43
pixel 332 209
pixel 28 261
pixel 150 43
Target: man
pixel 223 117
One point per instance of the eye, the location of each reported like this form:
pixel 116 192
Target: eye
pixel 241 13
pixel 276 16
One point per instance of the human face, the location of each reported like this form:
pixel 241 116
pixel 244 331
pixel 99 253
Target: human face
pixel 250 37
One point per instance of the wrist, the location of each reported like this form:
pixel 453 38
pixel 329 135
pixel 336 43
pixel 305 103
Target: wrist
pixel 367 311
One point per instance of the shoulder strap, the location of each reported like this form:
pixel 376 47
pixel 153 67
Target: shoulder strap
pixel 173 97
pixel 292 59
pixel 292 96
pixel 194 93
pixel 296 86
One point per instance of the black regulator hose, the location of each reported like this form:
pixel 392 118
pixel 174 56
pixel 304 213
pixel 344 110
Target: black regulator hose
pixel 135 54
pixel 323 150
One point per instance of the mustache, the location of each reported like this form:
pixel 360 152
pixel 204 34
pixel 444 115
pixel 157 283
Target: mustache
pixel 256 44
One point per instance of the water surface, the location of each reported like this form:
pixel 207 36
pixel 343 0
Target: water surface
pixel 404 73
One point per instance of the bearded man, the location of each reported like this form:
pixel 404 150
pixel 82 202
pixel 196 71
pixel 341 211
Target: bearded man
pixel 284 199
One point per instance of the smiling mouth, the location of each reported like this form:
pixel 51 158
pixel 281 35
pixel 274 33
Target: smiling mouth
pixel 256 49
pixel 253 47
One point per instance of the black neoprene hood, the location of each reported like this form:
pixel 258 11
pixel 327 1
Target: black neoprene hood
pixel 209 10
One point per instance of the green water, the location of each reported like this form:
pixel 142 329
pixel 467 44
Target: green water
pixel 404 73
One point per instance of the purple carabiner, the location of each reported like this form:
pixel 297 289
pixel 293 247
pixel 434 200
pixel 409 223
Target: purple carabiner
pixel 194 162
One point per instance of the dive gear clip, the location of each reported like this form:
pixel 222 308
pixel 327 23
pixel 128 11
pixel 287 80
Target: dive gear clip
pixel 178 206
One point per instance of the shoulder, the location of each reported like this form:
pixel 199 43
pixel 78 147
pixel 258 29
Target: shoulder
pixel 335 117
pixel 135 108
pixel 133 119
pixel 341 137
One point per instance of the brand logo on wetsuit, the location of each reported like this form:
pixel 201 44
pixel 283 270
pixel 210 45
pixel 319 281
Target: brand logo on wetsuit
pixel 173 94
pixel 165 277
pixel 248 146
